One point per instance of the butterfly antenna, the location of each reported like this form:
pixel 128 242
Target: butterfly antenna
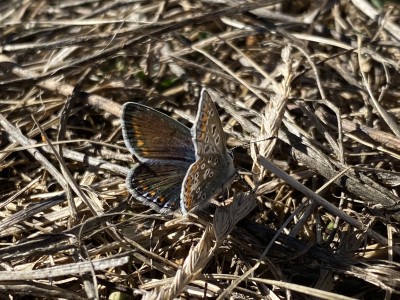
pixel 253 142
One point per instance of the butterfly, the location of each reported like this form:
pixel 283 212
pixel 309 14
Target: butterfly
pixel 179 167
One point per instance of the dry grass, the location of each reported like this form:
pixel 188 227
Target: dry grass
pixel 323 79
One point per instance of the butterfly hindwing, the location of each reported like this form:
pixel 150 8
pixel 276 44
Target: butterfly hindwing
pixel 158 186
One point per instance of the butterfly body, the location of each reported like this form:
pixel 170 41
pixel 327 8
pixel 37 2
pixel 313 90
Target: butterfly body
pixel 178 167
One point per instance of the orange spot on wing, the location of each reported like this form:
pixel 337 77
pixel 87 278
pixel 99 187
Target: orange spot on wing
pixel 188 201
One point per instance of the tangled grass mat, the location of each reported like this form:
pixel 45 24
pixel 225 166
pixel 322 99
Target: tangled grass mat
pixel 308 94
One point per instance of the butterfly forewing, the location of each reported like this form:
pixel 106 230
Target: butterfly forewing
pixel 208 134
pixel 152 136
pixel 213 169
